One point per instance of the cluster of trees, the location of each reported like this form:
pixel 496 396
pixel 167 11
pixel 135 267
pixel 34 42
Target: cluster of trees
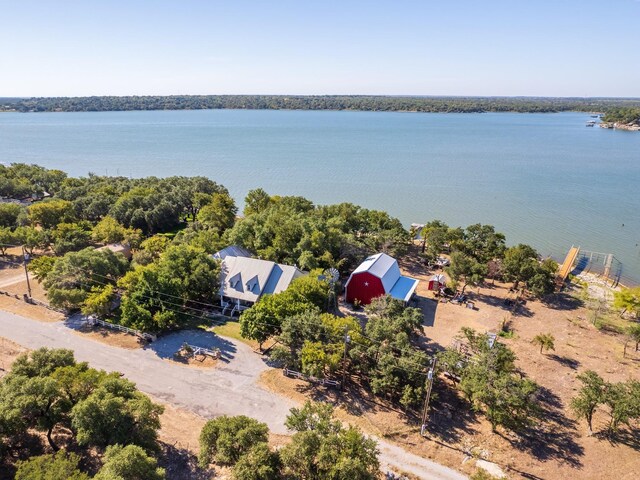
pixel 316 102
pixel 478 251
pixel 487 376
pixel 621 399
pixel 172 225
pixel 383 354
pixel 628 115
pixel 320 448
pixel 293 230
pixel 20 180
pixel 77 408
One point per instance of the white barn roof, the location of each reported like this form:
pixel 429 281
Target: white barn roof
pixel 386 269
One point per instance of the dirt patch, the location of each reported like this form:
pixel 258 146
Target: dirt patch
pixel 12 300
pixel 114 338
pixel 9 351
pixel 199 361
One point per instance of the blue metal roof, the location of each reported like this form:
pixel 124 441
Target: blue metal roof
pixel 404 288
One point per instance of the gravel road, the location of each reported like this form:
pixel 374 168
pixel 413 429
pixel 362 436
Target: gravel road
pixel 230 389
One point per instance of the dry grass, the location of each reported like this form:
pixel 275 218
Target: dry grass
pixel 107 336
pixel 560 447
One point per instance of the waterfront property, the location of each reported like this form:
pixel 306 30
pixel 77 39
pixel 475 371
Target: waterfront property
pixel 379 275
pixel 245 279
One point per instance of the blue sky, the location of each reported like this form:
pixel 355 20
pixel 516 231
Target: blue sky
pixel 449 47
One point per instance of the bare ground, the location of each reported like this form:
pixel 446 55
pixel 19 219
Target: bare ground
pixel 560 447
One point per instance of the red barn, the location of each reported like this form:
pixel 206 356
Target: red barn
pixel 379 275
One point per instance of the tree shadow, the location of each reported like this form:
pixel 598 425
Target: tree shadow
pixel 563 301
pixel 571 363
pixel 556 438
pixel 181 464
pixel 167 345
pixel 452 417
pixel 506 304
pixel 428 306
pixel 629 436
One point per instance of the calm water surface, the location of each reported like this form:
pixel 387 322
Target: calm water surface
pixel 542 179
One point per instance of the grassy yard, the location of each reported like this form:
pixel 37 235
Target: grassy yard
pixel 231 329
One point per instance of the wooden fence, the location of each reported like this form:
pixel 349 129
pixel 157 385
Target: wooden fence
pixel 146 336
pixel 308 378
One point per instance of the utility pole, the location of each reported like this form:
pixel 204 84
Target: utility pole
pixel 347 340
pixel 425 411
pixel 25 258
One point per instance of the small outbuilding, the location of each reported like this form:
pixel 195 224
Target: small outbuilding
pixel 437 282
pixel 379 275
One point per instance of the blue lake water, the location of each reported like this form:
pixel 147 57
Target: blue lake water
pixel 543 179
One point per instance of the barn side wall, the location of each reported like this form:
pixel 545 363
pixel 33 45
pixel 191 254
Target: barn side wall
pixel 357 288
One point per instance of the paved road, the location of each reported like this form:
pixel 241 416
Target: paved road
pixel 229 389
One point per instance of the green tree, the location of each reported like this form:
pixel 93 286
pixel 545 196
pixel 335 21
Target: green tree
pixel 466 269
pixel 225 439
pixel 72 277
pixel 492 386
pixel 589 397
pixel 61 465
pixel 70 237
pixel 9 213
pixel 519 264
pixel 220 214
pixel 7 239
pixel 627 300
pixel 264 319
pixel 109 230
pixel 155 294
pixel 116 413
pixel 256 201
pixel 483 243
pixel 41 267
pixel 259 463
pixel 49 214
pixel 545 341
pixel 322 448
pixel 33 238
pixel 623 400
pixel 129 463
pixel 99 301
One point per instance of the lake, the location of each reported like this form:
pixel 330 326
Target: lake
pixel 542 179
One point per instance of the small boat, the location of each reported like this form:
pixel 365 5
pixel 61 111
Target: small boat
pixel 595 116
pixel 591 123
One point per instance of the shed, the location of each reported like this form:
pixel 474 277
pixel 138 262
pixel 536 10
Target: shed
pixel 437 281
pixel 379 275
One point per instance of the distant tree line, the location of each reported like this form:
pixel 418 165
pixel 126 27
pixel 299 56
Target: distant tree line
pixel 627 115
pixel 373 103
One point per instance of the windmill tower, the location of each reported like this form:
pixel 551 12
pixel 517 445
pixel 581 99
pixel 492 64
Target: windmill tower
pixel 332 275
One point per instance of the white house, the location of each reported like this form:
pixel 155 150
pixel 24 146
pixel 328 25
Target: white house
pixel 244 279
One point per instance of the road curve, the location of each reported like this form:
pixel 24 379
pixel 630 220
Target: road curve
pixel 230 389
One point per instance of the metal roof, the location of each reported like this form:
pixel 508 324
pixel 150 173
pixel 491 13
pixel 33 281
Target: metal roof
pixel 404 288
pixel 233 251
pixel 245 278
pixel 386 269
